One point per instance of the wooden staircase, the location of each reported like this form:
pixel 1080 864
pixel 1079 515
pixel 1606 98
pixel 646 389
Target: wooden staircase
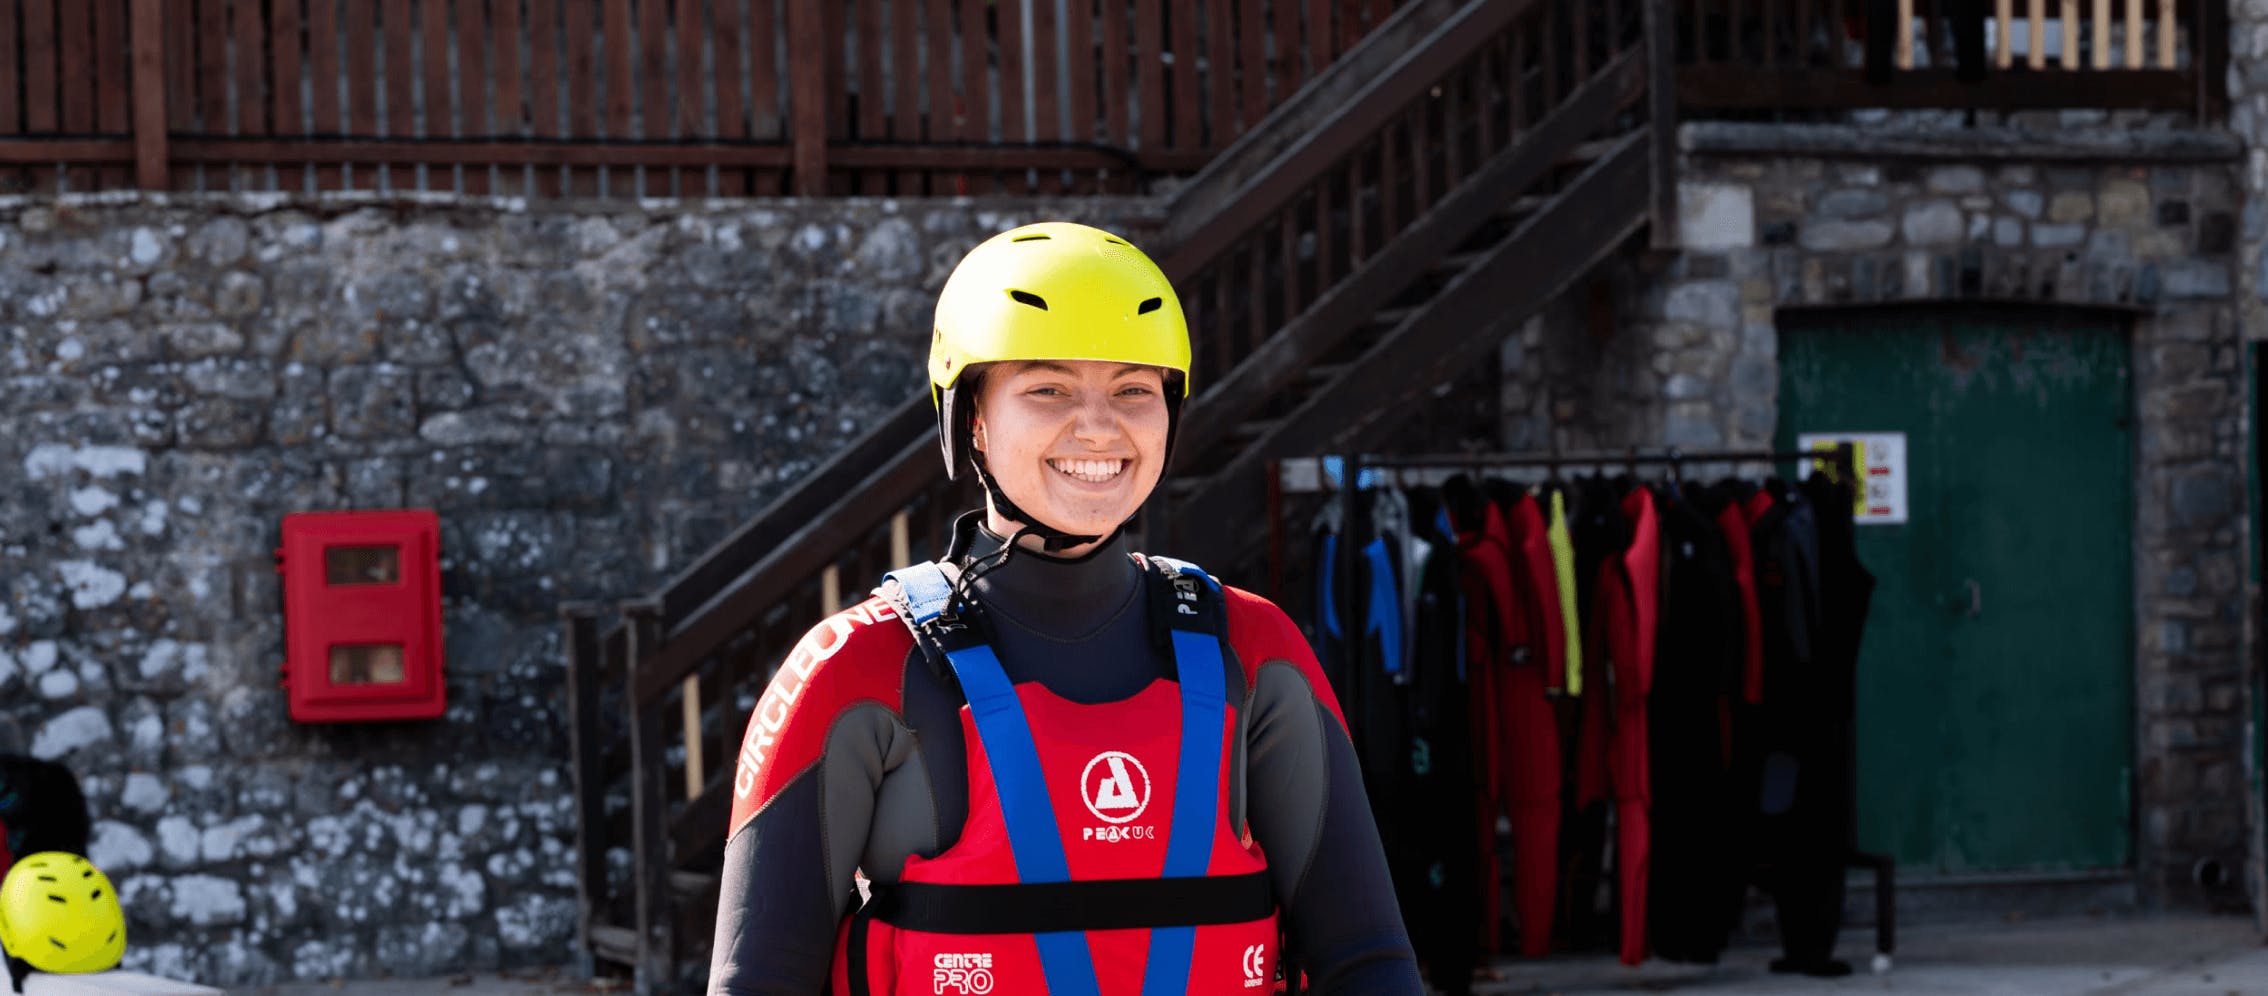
pixel 1379 232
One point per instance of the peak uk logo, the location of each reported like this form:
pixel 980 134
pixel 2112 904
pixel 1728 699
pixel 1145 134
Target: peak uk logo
pixel 1115 786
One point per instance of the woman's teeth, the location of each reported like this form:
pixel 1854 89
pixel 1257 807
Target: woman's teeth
pixel 1091 471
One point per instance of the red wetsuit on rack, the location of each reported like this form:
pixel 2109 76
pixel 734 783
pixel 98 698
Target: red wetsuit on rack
pixel 1624 616
pixel 1515 732
pixel 1531 778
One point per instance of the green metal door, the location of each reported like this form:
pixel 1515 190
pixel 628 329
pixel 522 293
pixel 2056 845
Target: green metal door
pixel 1996 681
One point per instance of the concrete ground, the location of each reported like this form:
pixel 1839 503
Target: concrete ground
pixel 2132 956
pixel 2187 955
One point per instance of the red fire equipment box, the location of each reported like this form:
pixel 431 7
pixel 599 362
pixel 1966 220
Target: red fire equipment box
pixel 362 615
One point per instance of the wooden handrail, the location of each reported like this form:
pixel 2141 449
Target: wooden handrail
pixel 818 493
pixel 856 510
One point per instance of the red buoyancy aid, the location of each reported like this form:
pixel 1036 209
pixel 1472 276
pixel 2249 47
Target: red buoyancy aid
pixel 1098 857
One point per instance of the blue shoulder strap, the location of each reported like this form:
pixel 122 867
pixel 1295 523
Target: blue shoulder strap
pixel 1196 628
pixel 1033 837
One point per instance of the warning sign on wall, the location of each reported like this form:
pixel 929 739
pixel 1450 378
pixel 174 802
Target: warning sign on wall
pixel 1881 461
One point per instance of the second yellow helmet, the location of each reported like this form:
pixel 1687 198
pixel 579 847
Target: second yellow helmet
pixel 59 914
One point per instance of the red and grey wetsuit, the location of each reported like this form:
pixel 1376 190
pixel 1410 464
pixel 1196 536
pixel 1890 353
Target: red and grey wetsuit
pixel 858 757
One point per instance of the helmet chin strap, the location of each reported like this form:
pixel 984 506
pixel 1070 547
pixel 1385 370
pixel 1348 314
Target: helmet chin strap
pixel 1052 540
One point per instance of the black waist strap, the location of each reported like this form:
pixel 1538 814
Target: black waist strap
pixel 1112 904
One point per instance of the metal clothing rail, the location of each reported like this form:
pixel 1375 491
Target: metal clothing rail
pixel 1352 524
pixel 1842 455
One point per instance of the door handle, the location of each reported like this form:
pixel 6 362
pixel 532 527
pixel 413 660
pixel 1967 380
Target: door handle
pixel 1976 597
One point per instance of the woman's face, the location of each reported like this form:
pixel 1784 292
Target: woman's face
pixel 1077 443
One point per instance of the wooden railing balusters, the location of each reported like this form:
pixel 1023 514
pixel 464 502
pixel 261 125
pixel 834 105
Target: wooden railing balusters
pixel 657 936
pixel 1423 143
pixel 1079 27
pixel 1804 47
pixel 1186 134
pixel 1284 53
pixel 585 672
pixel 1288 250
pixel 2168 25
pixel 1255 293
pixel 1047 89
pixel 150 170
pixel 1252 68
pixel 901 121
pixel 1358 209
pixel 1223 324
pixel 1455 97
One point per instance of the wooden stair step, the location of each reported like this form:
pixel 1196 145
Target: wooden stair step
pixel 1256 428
pixel 1457 262
pixel 1590 151
pixel 1323 373
pixel 1523 206
pixel 615 944
pixel 1388 318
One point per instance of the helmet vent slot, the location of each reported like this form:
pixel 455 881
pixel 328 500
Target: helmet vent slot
pixel 1031 238
pixel 1027 297
pixel 1150 305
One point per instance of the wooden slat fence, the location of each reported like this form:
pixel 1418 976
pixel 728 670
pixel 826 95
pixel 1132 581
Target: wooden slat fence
pixel 1812 55
pixel 646 97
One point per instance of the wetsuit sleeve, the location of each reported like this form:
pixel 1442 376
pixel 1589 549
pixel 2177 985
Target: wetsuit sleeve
pixel 1307 810
pixel 825 734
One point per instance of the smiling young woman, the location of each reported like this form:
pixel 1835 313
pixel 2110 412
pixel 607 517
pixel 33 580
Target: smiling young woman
pixel 1063 766
pixel 1083 440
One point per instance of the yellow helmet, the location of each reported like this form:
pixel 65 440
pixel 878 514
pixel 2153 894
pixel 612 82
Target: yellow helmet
pixel 1052 291
pixel 59 914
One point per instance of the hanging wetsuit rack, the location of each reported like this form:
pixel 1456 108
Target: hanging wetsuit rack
pixel 1333 473
pixel 1344 475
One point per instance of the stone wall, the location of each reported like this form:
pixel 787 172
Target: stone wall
pixel 1681 350
pixel 2248 120
pixel 589 396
